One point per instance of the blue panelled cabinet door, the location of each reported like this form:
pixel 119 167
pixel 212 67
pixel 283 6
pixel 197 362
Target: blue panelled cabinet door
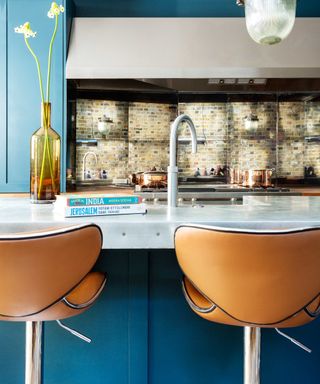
pixel 3 81
pixel 19 89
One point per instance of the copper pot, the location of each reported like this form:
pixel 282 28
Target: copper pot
pixel 236 176
pixel 150 179
pixel 257 178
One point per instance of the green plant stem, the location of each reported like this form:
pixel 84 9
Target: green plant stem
pixel 46 151
pixel 46 127
pixel 50 165
pixel 49 57
pixel 42 167
pixel 46 148
pixel 46 144
pixel 38 68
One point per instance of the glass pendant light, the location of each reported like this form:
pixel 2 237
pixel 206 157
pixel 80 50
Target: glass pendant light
pixel 269 21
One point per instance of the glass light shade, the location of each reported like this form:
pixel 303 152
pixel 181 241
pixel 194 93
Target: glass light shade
pixel 269 21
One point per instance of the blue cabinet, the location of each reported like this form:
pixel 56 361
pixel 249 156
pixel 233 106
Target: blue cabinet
pixel 3 82
pixel 19 89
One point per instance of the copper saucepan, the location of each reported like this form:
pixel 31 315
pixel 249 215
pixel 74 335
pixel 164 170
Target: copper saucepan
pixel 236 176
pixel 257 178
pixel 150 179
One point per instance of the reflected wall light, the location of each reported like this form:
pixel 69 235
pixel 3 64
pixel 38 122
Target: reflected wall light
pixel 251 122
pixel 269 21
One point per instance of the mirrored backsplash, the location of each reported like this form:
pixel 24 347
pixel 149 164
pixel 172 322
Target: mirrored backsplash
pixel 284 137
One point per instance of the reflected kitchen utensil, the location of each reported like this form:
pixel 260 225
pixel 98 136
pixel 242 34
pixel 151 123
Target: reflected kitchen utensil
pixel 150 179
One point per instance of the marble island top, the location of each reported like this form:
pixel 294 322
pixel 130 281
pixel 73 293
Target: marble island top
pixel 156 228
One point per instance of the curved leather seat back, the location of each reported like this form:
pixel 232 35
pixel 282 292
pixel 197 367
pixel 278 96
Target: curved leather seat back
pixel 37 270
pixel 257 278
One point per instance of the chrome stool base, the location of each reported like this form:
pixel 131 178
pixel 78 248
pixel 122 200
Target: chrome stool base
pixel 33 368
pixel 252 346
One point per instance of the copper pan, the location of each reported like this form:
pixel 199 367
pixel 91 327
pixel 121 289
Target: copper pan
pixel 255 178
pixel 236 176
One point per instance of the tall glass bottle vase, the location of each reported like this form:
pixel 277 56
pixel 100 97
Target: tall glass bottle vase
pixel 45 160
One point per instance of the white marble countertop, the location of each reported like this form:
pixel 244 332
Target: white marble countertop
pixel 156 228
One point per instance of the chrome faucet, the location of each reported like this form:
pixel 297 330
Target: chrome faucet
pixel 173 169
pixel 84 170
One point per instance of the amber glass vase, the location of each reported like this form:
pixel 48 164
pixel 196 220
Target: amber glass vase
pixel 45 160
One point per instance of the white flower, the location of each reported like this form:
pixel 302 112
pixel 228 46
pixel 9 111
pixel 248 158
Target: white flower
pixel 26 30
pixel 55 10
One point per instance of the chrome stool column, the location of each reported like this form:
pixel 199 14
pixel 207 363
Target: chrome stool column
pixel 252 342
pixel 33 369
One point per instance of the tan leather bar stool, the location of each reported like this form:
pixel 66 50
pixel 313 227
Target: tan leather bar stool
pixel 251 279
pixel 46 276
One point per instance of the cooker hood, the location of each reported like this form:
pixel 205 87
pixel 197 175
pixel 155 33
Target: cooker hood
pixel 193 54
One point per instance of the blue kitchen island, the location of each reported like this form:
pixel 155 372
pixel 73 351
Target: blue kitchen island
pixel 142 329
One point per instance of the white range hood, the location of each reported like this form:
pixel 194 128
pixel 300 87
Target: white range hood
pixel 186 48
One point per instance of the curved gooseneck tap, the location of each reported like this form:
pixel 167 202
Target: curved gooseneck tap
pixel 84 169
pixel 173 169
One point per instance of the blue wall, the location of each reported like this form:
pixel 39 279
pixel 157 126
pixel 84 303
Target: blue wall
pixel 176 8
pixel 19 90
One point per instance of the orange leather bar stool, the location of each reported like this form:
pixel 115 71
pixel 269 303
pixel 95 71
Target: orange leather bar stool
pixel 46 276
pixel 251 279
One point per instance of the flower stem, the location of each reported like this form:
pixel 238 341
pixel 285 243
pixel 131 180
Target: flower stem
pixel 49 57
pixel 38 68
pixel 46 143
pixel 50 165
pixel 46 152
pixel 46 159
pixel 42 166
pixel 46 148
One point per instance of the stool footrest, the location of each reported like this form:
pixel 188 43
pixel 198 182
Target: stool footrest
pixel 74 332
pixel 294 341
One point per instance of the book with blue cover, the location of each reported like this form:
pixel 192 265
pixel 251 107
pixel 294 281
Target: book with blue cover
pixel 100 210
pixel 95 199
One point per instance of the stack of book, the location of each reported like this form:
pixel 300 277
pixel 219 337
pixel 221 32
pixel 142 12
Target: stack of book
pixel 98 205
